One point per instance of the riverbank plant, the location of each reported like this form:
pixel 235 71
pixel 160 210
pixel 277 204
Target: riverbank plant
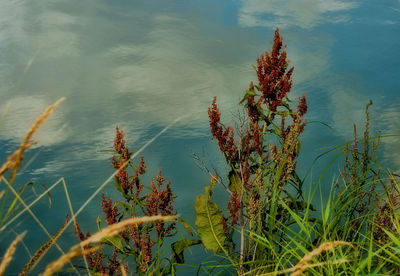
pixel 268 224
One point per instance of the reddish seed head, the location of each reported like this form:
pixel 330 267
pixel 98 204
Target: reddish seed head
pixel 159 202
pixel 302 106
pixel 119 140
pixel 109 209
pixel 224 225
pixel 224 136
pixel 215 117
pixel 272 76
pixel 141 169
pixel 234 207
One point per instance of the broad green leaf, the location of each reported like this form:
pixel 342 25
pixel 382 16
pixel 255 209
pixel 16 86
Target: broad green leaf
pixel 179 247
pixel 209 222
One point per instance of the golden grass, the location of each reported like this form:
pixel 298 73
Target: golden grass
pixel 57 265
pixel 15 159
pixel 10 253
pixel 111 230
pixel 285 271
pixel 302 265
pixel 123 271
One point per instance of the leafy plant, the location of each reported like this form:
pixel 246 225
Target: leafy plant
pixel 139 242
pixel 262 156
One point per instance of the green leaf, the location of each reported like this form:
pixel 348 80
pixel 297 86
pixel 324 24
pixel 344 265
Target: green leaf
pixel 179 247
pixel 15 203
pixel 98 221
pixel 248 93
pixel 115 241
pixel 209 222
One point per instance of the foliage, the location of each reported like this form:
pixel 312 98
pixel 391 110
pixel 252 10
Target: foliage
pixel 210 221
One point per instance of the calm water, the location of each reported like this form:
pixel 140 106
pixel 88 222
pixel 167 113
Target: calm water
pixel 142 64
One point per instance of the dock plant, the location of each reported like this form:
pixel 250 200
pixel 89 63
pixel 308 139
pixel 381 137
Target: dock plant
pixel 268 225
pixel 262 156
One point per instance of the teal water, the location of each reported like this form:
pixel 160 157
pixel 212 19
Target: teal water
pixel 143 64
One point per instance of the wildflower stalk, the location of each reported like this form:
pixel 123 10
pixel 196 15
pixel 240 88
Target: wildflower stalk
pixel 261 171
pixel 136 241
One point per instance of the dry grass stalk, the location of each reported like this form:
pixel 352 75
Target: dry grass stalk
pixel 114 229
pixel 1 194
pixel 301 266
pixel 285 271
pixel 57 265
pixel 111 230
pixel 15 159
pixel 123 271
pixel 42 251
pixel 9 254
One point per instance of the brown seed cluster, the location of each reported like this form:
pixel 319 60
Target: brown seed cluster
pixel 273 77
pixel 120 163
pixel 234 207
pixel 224 136
pixel 159 202
pixel 109 209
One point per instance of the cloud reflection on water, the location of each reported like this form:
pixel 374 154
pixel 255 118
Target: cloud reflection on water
pixel 22 112
pixel 165 67
pixel 285 13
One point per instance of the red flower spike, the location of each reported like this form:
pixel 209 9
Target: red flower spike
pixel 109 209
pixel 159 202
pixel 225 137
pixel 273 79
pixel 302 106
pixel 234 207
